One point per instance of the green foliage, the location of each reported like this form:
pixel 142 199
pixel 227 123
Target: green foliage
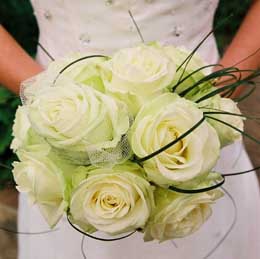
pixel 8 105
pixel 17 17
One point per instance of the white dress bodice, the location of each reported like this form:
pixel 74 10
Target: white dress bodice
pixel 102 26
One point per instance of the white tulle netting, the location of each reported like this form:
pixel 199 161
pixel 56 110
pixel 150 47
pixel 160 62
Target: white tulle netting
pixel 27 90
pixel 30 87
pixel 98 157
pixel 108 157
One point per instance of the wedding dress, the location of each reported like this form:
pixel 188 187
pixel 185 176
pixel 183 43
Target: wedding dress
pixel 102 27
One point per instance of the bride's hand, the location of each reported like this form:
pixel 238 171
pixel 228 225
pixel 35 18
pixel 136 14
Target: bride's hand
pixel 15 64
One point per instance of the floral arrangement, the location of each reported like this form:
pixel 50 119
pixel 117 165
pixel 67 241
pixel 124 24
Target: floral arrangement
pixel 126 143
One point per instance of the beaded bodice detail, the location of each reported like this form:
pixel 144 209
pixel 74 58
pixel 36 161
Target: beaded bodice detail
pixel 102 26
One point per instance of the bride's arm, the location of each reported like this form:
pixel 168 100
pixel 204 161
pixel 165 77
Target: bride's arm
pixel 245 42
pixel 15 64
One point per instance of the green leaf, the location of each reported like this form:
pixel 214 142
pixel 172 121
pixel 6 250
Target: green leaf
pixel 6 137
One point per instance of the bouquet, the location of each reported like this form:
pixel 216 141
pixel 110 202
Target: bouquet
pixel 126 143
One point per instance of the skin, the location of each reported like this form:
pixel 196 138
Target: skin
pixel 245 43
pixel 16 65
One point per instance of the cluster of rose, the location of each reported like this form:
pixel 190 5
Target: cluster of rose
pixel 84 138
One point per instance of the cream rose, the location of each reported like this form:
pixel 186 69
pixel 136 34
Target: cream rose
pixel 25 138
pixel 42 178
pixel 21 127
pixel 226 134
pixel 160 122
pixel 136 74
pixel 178 55
pixel 178 215
pixel 75 118
pixel 87 72
pixel 115 200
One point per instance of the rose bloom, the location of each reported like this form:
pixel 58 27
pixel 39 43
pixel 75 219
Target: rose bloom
pixel 25 138
pixel 76 119
pixel 160 122
pixel 226 134
pixel 42 179
pixel 178 55
pixel 114 200
pixel 86 72
pixel 178 215
pixel 134 75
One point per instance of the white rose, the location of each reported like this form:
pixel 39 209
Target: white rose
pixel 138 74
pixel 226 134
pixel 43 180
pixel 25 138
pixel 178 55
pixel 20 128
pixel 115 200
pixel 178 215
pixel 160 122
pixel 78 119
pixel 86 72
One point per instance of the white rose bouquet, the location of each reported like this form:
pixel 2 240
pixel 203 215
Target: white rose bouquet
pixel 125 143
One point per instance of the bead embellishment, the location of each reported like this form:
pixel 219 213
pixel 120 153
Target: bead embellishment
pixel 47 14
pixel 177 31
pixel 84 38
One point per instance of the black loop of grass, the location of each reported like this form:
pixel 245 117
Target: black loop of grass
pixel 99 238
pixel 76 61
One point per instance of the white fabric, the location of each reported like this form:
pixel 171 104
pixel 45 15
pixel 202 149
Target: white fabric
pixel 106 26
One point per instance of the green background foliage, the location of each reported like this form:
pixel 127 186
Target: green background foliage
pixel 17 17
